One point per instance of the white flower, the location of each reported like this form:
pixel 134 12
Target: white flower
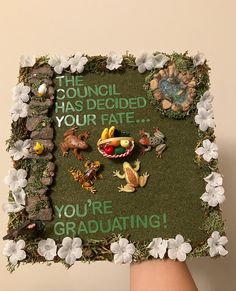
pixel 213 195
pixel 12 207
pixel 216 244
pixel 58 63
pixel 77 63
pixel 16 179
pixel 209 150
pixel 214 179
pixel 70 250
pixel 145 62
pixel 14 250
pixel 114 61
pixel 20 149
pixel 21 92
pixel 206 101
pixel 123 251
pixel 149 62
pixel 205 119
pixel 19 196
pixel 177 248
pixel 42 89
pixel 198 59
pixel 160 60
pixel 19 109
pixel 27 61
pixel 158 247
pixel 47 249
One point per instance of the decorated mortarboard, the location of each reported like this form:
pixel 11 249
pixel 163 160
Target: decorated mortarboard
pixel 114 158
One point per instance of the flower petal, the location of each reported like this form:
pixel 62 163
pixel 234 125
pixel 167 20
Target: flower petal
pixel 70 259
pixel 20 244
pixel 115 247
pixel 123 242
pixel 181 256
pixel 172 254
pixel 62 252
pixel 67 241
pixel 21 255
pixel 118 258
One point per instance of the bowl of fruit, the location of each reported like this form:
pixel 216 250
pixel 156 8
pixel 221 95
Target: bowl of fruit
pixel 114 143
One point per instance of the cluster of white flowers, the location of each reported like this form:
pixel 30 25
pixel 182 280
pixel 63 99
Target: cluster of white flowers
pixel 16 181
pixel 144 62
pixel 205 118
pixel 76 63
pixel 59 63
pixel 70 249
pixel 123 250
pixel 208 150
pixel 20 94
pixel 113 62
pixel 176 248
pixel 214 194
pixel 149 62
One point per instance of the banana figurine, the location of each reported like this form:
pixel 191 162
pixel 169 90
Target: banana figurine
pixel 108 133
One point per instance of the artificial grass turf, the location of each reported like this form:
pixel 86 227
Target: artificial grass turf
pixel 173 189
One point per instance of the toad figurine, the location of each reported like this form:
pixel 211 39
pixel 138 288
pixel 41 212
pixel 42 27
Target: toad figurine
pixel 148 141
pixel 132 177
pixel 86 179
pixel 74 142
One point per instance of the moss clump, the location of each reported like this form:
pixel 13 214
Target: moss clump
pixel 213 222
pixel 18 131
pixel 199 251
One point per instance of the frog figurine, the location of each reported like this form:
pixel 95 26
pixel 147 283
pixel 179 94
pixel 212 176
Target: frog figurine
pixel 148 141
pixel 74 142
pixel 131 176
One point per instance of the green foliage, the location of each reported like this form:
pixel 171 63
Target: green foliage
pixel 182 61
pixel 18 131
pixel 214 221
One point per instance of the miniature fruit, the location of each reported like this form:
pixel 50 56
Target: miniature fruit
pixel 109 149
pixel 117 133
pixel 105 133
pixel 124 143
pixel 119 150
pixel 115 143
pixel 111 131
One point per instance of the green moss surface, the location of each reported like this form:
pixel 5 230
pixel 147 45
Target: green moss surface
pixel 175 183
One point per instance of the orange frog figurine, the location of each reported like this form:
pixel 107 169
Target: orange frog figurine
pixel 74 142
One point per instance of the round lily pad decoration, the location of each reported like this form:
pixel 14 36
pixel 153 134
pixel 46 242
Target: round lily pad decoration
pixel 172 91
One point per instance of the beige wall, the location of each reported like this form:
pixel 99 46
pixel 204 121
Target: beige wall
pixel 94 27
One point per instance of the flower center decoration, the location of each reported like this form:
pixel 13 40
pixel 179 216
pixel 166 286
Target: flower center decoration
pixel 173 91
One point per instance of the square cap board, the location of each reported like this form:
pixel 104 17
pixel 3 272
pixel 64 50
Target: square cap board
pixel 114 159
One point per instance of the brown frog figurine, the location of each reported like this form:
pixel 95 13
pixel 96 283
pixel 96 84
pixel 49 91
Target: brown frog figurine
pixel 74 142
pixel 86 179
